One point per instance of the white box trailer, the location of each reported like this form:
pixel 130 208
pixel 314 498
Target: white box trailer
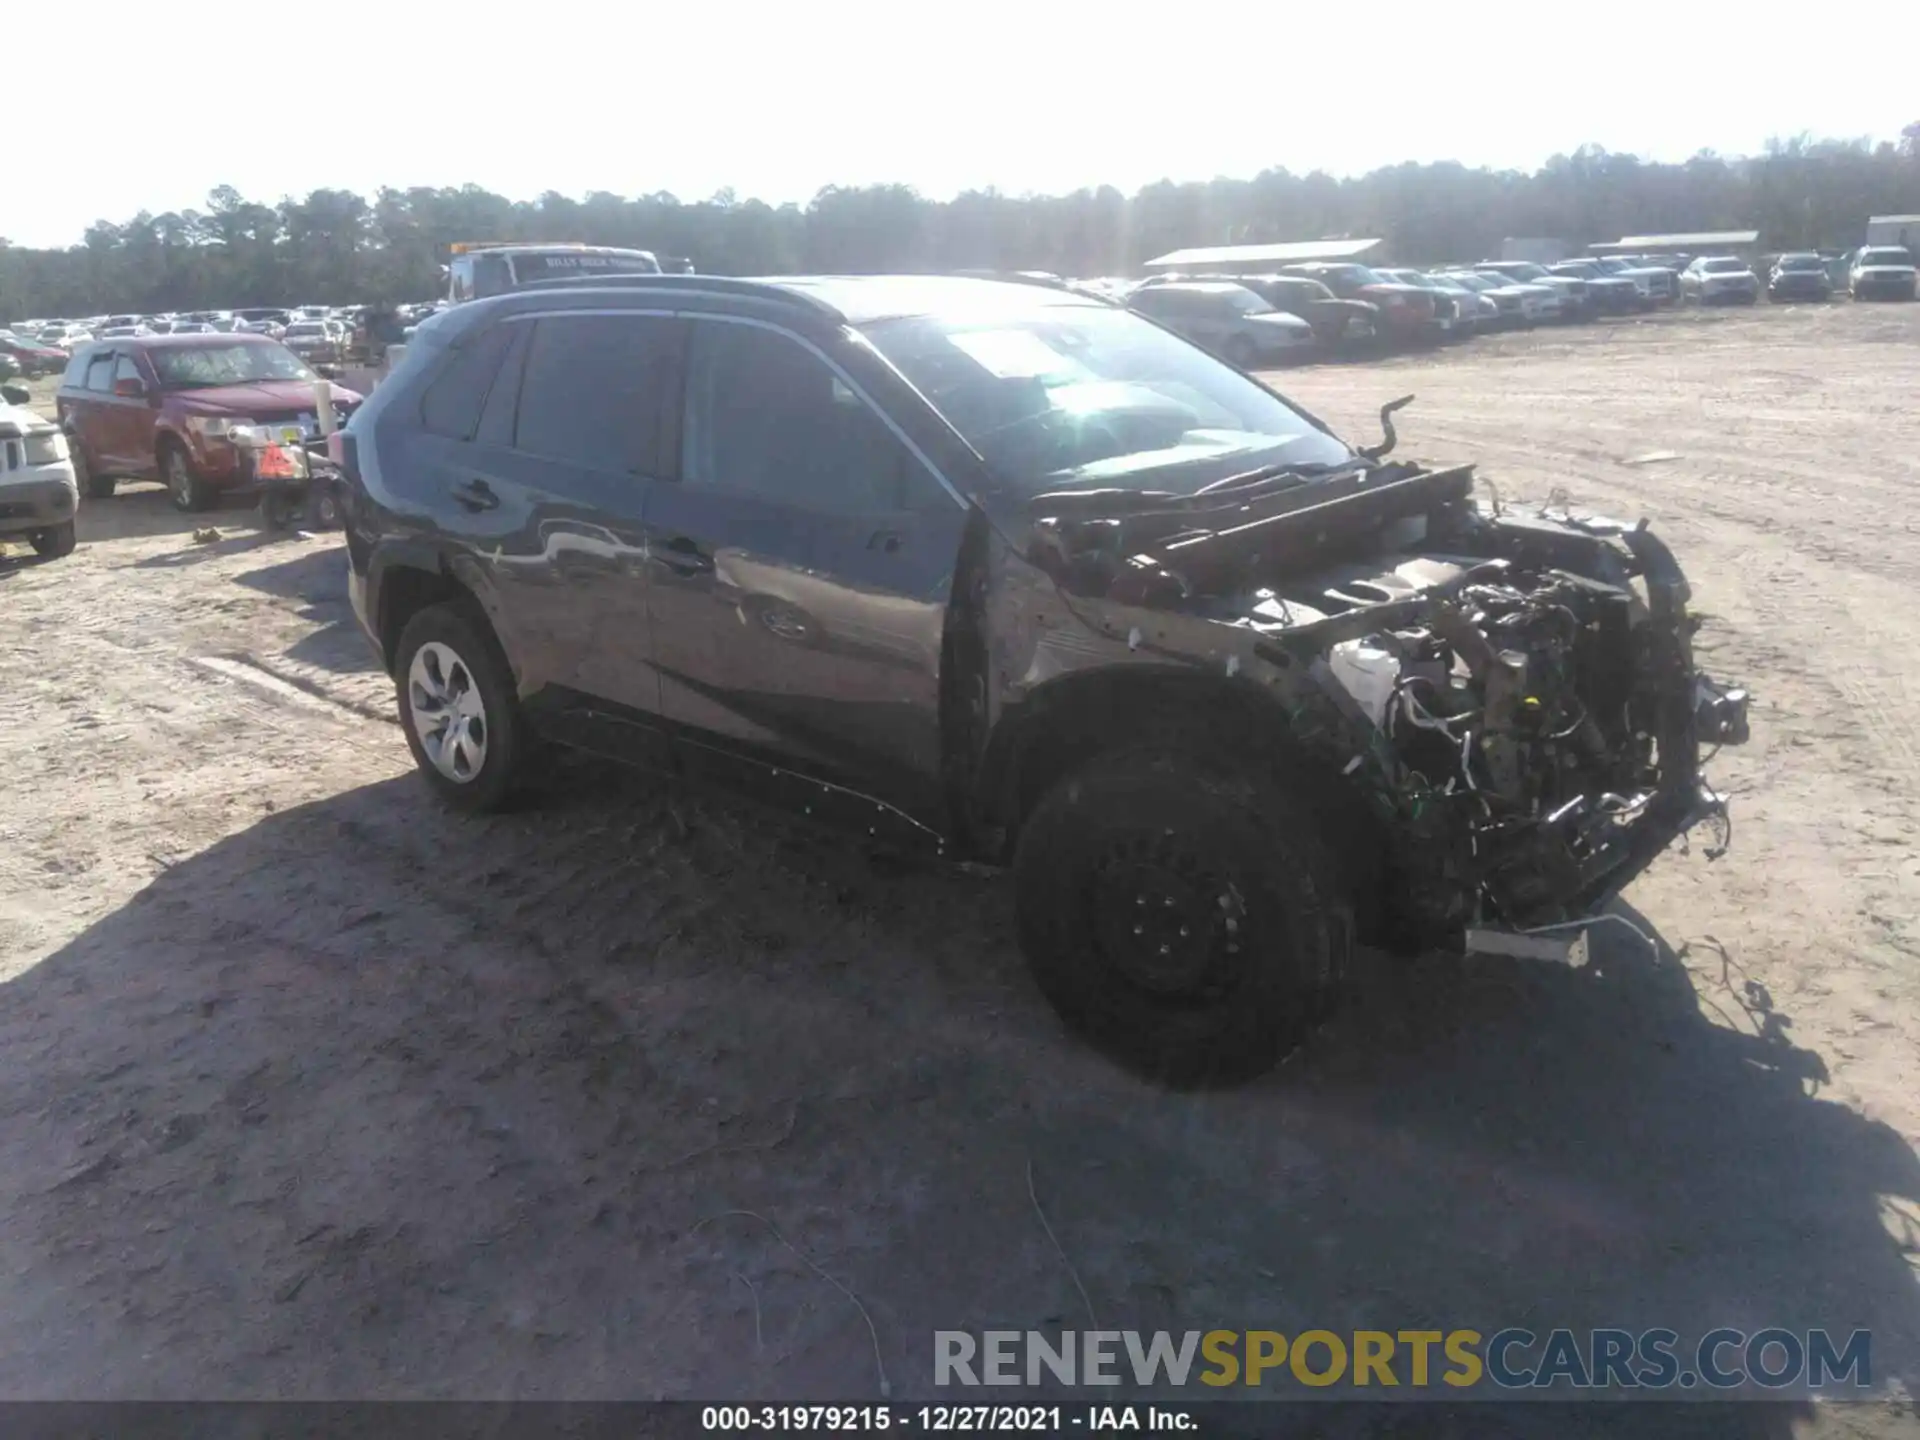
pixel 1894 230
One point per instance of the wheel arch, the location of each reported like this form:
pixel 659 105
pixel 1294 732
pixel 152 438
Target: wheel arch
pixel 163 436
pixel 406 577
pixel 1069 721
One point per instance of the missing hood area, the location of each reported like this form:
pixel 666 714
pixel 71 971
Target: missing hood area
pixel 1509 691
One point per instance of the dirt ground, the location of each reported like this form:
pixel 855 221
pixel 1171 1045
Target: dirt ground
pixel 308 1089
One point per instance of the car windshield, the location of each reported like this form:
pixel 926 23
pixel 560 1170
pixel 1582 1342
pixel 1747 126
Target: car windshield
pixel 200 367
pixel 1248 303
pixel 1801 262
pixel 1885 255
pixel 1725 266
pixel 307 327
pixel 1066 396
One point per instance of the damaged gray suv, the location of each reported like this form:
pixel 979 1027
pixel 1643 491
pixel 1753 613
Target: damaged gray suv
pixel 1019 577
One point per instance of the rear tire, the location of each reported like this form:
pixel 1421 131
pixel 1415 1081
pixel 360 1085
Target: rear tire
pixel 1181 916
pixel 54 543
pixel 458 708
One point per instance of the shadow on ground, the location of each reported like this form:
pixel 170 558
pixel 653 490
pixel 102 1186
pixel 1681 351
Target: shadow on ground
pixel 371 1100
pixel 140 509
pixel 317 578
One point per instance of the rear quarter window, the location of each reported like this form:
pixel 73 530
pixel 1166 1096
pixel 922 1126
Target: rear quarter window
pixel 75 376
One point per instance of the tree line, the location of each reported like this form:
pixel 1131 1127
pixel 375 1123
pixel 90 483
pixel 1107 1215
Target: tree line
pixel 336 247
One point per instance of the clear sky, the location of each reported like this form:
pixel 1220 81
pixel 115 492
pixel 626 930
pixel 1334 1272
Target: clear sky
pixel 776 101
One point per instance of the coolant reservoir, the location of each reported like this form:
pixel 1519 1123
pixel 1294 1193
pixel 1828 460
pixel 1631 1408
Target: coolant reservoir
pixel 1367 673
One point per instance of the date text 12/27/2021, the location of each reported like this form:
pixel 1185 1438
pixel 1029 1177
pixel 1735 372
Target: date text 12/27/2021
pixel 949 1419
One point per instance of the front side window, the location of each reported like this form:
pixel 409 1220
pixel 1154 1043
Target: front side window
pixel 766 417
pixel 592 390
pixel 1061 396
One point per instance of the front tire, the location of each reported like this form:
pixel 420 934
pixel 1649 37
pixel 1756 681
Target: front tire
pixel 458 708
pixel 55 542
pixel 185 485
pixel 276 508
pixel 1180 915
pixel 323 505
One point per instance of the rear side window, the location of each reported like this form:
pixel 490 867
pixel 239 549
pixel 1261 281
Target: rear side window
pixel 100 373
pixel 593 388
pixel 125 369
pixel 456 396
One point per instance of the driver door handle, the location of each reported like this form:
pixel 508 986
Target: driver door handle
pixel 683 555
pixel 475 494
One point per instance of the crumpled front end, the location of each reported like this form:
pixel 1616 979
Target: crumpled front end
pixel 1511 693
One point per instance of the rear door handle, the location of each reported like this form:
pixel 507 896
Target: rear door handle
pixel 683 556
pixel 475 495
pixel 886 541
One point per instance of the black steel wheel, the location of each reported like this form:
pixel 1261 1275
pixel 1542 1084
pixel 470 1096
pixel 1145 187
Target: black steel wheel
pixel 1182 916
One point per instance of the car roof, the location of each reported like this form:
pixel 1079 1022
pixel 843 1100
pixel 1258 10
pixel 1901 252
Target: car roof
pixel 1199 287
pixel 862 299
pixel 835 299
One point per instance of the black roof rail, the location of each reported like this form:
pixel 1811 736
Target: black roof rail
pixel 771 290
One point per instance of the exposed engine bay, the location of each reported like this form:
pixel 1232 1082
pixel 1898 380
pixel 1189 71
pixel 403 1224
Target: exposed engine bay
pixel 1512 690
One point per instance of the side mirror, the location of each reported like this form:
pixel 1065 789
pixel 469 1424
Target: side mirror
pixel 130 389
pixel 16 394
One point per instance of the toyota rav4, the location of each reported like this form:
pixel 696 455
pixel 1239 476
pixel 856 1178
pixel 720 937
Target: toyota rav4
pixel 1022 578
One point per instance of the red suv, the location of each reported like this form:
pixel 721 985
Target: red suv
pixel 164 407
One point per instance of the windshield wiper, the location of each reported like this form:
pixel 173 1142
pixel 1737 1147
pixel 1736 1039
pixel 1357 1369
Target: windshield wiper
pixel 1254 479
pixel 1229 490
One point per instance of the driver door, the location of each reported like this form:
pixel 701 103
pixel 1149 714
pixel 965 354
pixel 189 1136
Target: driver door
pixel 803 563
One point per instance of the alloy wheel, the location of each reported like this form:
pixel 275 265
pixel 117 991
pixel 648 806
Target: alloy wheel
pixel 449 714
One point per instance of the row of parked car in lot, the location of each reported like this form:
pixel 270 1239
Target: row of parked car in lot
pixel 320 334
pixel 1321 305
